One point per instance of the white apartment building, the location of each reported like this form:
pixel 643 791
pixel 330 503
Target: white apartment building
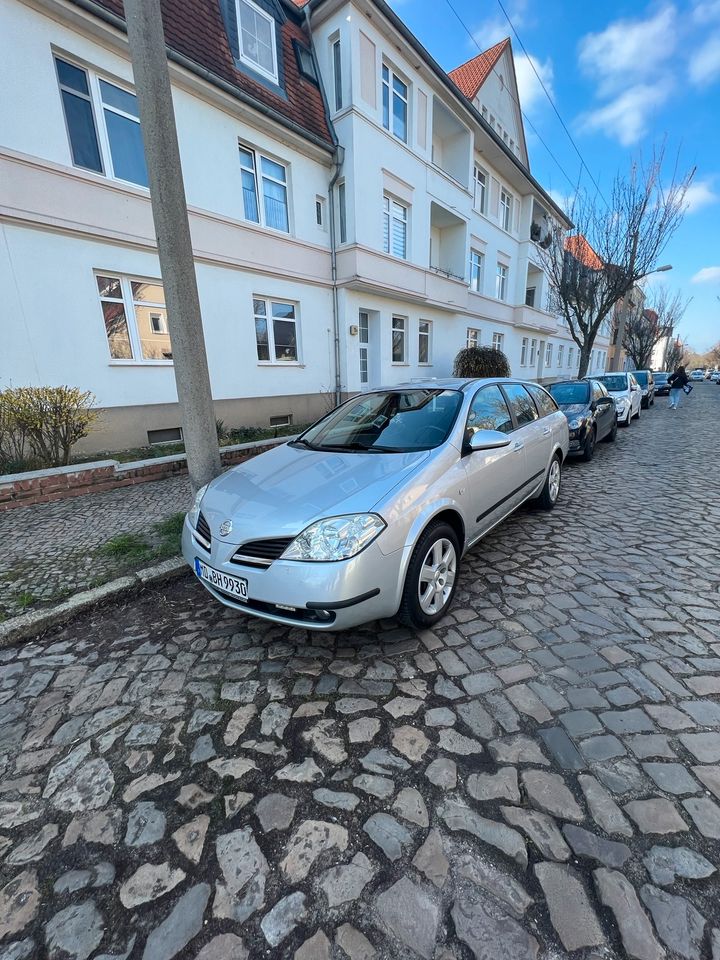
pixel 434 211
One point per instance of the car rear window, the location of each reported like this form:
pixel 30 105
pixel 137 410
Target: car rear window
pixel 543 401
pixel 521 403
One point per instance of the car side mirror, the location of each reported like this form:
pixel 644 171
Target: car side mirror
pixel 605 400
pixel 487 440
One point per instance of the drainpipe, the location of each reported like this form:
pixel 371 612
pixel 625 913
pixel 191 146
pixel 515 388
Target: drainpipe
pixel 339 156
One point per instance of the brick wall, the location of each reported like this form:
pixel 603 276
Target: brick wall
pixel 44 486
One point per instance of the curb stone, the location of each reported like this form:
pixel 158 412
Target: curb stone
pixel 29 625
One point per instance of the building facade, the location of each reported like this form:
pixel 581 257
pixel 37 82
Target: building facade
pixel 357 214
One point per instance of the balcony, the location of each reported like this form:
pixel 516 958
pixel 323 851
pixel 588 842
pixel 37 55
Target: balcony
pixel 447 242
pixel 451 144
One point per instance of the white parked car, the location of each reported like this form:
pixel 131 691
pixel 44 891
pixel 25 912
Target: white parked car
pixel 697 375
pixel 627 393
pixel 715 376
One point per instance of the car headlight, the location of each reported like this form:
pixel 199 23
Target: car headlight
pixel 194 511
pixel 337 538
pixel 621 401
pixel 576 423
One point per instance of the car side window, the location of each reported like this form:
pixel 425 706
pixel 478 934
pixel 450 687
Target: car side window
pixel 597 391
pixel 543 401
pixel 521 403
pixel 489 411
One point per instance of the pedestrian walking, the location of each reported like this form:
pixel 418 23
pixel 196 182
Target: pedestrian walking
pixel 678 381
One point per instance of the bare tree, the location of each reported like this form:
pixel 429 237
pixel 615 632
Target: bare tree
pixel 645 328
pixel 611 247
pixel 675 354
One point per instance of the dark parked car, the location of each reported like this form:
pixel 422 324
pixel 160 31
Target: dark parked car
pixel 590 411
pixel 662 387
pixel 647 382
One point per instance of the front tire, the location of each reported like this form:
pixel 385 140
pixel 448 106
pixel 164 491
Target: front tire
pixel 628 419
pixel 431 578
pixel 551 490
pixel 637 415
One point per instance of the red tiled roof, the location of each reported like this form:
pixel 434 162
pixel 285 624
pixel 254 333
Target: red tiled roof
pixel 579 248
pixel 195 28
pixel 470 76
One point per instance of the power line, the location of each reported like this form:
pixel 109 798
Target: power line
pixel 552 102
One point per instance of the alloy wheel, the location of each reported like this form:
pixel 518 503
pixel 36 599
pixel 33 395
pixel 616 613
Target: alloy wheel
pixel 437 576
pixel 554 480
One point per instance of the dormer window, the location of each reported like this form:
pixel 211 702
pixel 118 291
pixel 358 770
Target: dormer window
pixel 257 39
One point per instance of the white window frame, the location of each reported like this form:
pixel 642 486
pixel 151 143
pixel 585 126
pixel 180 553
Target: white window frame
pixel 506 209
pixel 390 218
pixel 498 341
pixel 524 351
pixel 571 351
pixel 561 355
pixel 128 302
pixel 336 51
pixel 342 211
pixel 548 354
pixel 473 337
pixel 98 107
pixel 387 77
pixel 320 212
pixel 259 177
pixel 246 59
pixel 480 187
pixel 477 269
pixel 533 352
pixel 268 317
pixel 399 325
pixel 427 334
pixel 501 281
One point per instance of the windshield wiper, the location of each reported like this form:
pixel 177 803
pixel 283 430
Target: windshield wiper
pixel 355 447
pixel 303 443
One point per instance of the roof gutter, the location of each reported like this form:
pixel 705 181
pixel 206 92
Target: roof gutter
pixel 190 65
pixel 412 40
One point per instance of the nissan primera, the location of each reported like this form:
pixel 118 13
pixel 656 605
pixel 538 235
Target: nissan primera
pixel 367 514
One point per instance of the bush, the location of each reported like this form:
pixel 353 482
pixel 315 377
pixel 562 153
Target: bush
pixel 40 425
pixel 477 362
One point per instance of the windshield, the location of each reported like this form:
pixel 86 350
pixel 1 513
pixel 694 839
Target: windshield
pixel 641 377
pixel 616 381
pixel 661 377
pixel 393 421
pixel 567 393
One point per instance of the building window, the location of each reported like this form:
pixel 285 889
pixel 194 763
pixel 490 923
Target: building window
pixel 398 340
pixel 395 220
pixel 530 297
pixel 548 355
pixel 501 278
pixel 364 338
pixel 135 319
pixel 257 39
pixel 476 270
pixel 113 146
pixel 524 352
pixel 533 352
pixel 273 211
pixel 342 213
pixel 473 337
pixel 424 344
pixel 498 341
pixel 394 103
pixel 561 354
pixel 571 353
pixel 275 331
pixel 337 74
pixel 320 211
pixel 506 210
pixel 480 190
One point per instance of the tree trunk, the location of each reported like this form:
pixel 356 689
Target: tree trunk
pixel 585 352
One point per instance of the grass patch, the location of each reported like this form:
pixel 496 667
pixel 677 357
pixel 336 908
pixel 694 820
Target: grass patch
pixel 129 547
pixel 161 542
pixel 25 599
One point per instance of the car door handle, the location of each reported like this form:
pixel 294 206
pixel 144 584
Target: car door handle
pixel 518 446
pixel 546 431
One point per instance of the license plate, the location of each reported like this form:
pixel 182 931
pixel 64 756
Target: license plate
pixel 235 586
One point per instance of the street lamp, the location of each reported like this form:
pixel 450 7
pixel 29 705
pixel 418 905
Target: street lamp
pixel 622 322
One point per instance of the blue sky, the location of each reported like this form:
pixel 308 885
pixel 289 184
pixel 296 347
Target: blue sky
pixel 624 76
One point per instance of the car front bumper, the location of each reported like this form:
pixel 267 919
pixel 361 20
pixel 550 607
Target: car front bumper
pixel 662 391
pixel 333 596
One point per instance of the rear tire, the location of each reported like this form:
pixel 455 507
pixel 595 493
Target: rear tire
pixel 612 436
pixel 589 448
pixel 628 420
pixel 637 415
pixel 431 578
pixel 551 489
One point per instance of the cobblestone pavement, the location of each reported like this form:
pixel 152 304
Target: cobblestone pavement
pixel 51 548
pixel 537 777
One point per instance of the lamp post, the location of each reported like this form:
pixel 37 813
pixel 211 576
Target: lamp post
pixel 622 321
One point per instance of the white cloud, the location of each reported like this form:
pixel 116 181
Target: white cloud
pixel 564 200
pixel 629 51
pixel 700 194
pixel 530 91
pixel 627 116
pixel 706 12
pixel 707 275
pixel 495 29
pixel 704 65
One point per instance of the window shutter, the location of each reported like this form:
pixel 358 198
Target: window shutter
pixel 494 198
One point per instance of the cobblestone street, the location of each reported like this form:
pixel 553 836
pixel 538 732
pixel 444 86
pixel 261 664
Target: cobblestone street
pixel 537 777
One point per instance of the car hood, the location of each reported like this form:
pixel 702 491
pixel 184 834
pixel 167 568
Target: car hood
pixel 278 493
pixel 574 409
pixel 618 394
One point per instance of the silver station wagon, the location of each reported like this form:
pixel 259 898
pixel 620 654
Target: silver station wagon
pixel 368 513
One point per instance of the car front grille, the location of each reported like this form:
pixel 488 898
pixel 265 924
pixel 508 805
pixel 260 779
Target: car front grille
pixel 261 553
pixel 202 532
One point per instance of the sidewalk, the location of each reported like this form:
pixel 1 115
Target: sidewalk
pixel 54 549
